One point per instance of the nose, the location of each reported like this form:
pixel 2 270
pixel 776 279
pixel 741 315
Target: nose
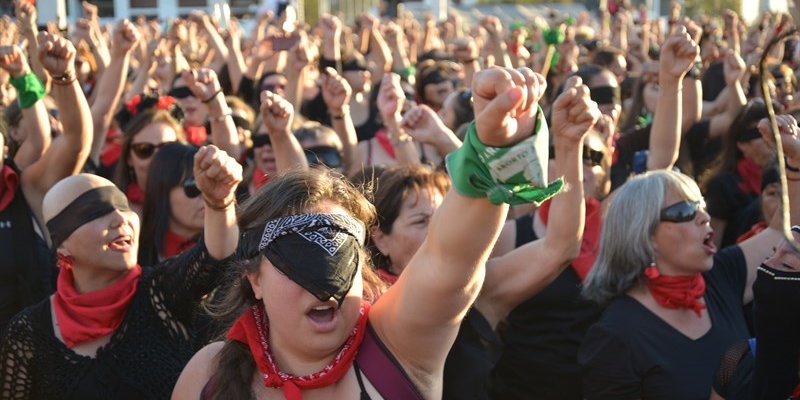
pixel 117 218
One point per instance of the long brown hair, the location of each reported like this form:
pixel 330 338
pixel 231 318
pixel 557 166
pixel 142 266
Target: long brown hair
pixel 292 193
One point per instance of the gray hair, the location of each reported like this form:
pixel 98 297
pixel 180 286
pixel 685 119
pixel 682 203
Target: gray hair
pixel 626 246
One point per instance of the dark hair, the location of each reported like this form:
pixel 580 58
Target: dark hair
pixel 462 108
pixel 170 167
pixel 726 160
pixel 391 189
pixel 124 174
pixel 607 55
pixel 295 192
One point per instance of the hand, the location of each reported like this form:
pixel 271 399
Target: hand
pixel 336 91
pixel 56 54
pixel 465 49
pixel 13 61
pixel 277 113
pixel 90 11
pixel 200 18
pixel 423 124
pixel 125 37
pixel 300 55
pixel 26 15
pixel 787 126
pixel 505 102
pixel 492 26
pixel 233 36
pixel 678 54
pixel 83 30
pixel 178 33
pixel 331 27
pixel 574 112
pixel 391 98
pixel 217 175
pixel 369 21
pixel 733 68
pixel 202 82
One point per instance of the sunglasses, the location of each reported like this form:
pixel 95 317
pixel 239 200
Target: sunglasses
pixel 323 155
pixel 180 92
pixel 146 150
pixel 590 156
pixel 261 140
pixel 190 188
pixel 272 88
pixel 683 211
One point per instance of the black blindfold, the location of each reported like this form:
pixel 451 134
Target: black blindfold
pixel 89 206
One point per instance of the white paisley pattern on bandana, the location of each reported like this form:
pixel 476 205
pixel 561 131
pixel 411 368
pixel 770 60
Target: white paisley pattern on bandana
pixel 328 231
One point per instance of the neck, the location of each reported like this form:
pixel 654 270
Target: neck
pixel 92 280
pixel 297 360
pixel 182 230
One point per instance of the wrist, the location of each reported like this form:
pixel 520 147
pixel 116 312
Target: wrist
pixel 219 117
pixel 792 164
pixel 64 79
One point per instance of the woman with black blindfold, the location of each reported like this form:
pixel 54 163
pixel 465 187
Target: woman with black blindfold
pixel 115 329
pixel 303 298
pixel 674 302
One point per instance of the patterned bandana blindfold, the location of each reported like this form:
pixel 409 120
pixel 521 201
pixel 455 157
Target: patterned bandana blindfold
pixel 319 252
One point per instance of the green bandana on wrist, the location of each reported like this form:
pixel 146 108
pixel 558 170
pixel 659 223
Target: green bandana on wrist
pixel 29 89
pixel 514 175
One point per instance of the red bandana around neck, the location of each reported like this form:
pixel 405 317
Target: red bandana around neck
pixel 9 180
pixel 135 193
pixel 259 178
pixel 386 144
pixel 86 316
pixel 387 276
pixel 676 291
pixel 591 236
pixel 175 244
pixel 195 135
pixel 252 328
pixel 751 176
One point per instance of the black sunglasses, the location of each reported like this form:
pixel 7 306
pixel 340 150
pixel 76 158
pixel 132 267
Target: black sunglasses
pixel 180 92
pixel 261 140
pixel 190 188
pixel 146 150
pixel 590 156
pixel 683 211
pixel 325 155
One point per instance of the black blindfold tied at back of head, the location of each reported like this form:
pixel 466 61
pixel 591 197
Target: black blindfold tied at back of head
pixel 87 207
pixel 319 252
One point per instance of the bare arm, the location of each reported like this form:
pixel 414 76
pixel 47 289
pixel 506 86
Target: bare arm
pixel 677 55
pixel 735 98
pixel 217 175
pixel 511 279
pixel 277 114
pixel 205 86
pixel 336 93
pixel 419 316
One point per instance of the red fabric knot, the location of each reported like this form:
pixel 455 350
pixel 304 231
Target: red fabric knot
pixel 252 328
pixel 165 102
pixel 676 291
pixel 133 104
pixel 9 181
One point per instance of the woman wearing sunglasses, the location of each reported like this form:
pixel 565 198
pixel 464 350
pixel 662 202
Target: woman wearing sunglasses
pixel 673 301
pixel 172 213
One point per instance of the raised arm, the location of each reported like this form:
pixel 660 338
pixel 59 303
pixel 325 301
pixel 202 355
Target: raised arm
pixel 419 316
pixel 26 15
pixel 734 98
pixel 277 114
pixel 513 278
pixel 109 88
pixel 379 53
pixel 217 175
pixel 236 64
pixel 678 54
pixel 425 126
pixel 336 93
pixel 68 152
pixel 205 86
pixel 34 114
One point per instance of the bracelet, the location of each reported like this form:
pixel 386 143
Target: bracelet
pixel 212 97
pixel 789 167
pixel 405 139
pixel 792 179
pixel 220 118
pixel 29 89
pixel 224 207
pixel 64 79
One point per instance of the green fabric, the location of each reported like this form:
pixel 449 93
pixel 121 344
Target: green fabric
pixel 553 36
pixel 514 175
pixel 29 89
pixel 406 72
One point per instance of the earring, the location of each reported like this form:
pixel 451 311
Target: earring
pixel 652 272
pixel 64 261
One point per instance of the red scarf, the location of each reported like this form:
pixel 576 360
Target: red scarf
pixel 387 276
pixel 754 230
pixel 751 176
pixel 135 193
pixel 591 236
pixel 383 140
pixel 676 291
pixel 175 244
pixel 195 135
pixel 252 328
pixel 9 181
pixel 259 178
pixel 86 316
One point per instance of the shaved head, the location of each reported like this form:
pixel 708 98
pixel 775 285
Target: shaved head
pixel 67 190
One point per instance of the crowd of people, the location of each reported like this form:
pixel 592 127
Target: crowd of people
pixel 574 207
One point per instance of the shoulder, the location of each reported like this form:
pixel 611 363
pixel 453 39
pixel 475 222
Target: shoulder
pixel 197 372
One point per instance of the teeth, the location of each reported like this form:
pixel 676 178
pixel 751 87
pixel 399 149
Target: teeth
pixel 321 308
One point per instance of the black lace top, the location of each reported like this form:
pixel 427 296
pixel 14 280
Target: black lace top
pixel 144 356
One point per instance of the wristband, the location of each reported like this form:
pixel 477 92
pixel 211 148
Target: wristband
pixel 29 89
pixel 220 118
pixel 514 175
pixel 212 97
pixel 789 167
pixel 64 79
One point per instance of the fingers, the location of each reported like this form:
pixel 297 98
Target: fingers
pixel 216 165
